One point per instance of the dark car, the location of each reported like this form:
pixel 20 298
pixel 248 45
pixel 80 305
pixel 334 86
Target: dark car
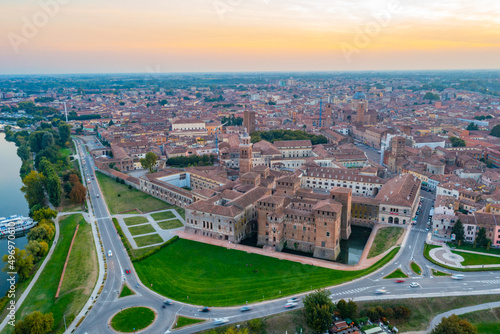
pixel 167 302
pixel 246 308
pixel 204 309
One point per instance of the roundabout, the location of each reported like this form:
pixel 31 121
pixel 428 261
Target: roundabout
pixel 133 319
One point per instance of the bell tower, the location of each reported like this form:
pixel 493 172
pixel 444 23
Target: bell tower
pixel 245 153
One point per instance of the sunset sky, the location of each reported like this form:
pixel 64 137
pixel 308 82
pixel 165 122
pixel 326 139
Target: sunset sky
pixel 90 36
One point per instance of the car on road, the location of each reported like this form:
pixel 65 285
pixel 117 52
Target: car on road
pixel 110 253
pixel 220 321
pixel 292 300
pixel 399 280
pixel 245 308
pixel 380 291
pixel 167 302
pixel 291 305
pixel 427 229
pixel 127 271
pixel 458 276
pixel 414 285
pixel 97 195
pixel 204 309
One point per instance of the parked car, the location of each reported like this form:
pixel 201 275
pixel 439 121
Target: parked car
pixel 204 309
pixel 246 308
pixel 291 305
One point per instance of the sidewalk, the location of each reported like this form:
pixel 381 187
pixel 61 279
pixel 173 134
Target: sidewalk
pixel 445 256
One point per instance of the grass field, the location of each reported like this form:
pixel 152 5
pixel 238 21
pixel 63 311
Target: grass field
pixel 169 224
pixel 133 319
pixel 398 273
pixel 477 259
pixel 386 238
pixel 148 240
pixel 162 215
pixel 129 199
pixel 232 277
pixel 416 268
pixel 133 253
pixel 486 321
pixel 131 221
pixel 126 291
pixel 423 310
pixel 470 247
pixel 79 279
pixel 143 229
pixel 183 321
pixel 439 273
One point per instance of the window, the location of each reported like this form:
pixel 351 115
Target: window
pixel 327 234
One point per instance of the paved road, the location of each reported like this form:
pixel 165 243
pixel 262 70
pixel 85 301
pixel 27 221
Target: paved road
pixel 362 289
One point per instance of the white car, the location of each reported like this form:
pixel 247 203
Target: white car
pixel 458 276
pixel 414 285
pixel 380 291
pixel 292 300
pixel 220 321
pixel 110 253
pixel 291 305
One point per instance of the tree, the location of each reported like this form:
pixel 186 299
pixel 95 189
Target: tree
pixel 64 132
pixel 402 312
pixel 481 239
pixel 458 230
pixel 52 181
pixel 457 142
pixel 35 323
pixel 149 161
pixel 373 313
pixel 342 307
pixel 110 123
pixel 454 325
pixel 33 188
pixel 352 309
pixel 318 309
pixel 495 131
pixel 472 127
pixel 21 262
pixel 37 249
pixel 74 179
pixel 78 193
pixel 431 97
pixel 44 213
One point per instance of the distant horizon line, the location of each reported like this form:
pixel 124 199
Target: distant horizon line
pixel 253 72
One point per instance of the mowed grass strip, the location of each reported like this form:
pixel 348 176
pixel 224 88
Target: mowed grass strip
pixel 216 276
pixel 477 259
pixel 131 221
pixel 385 238
pixel 163 215
pixel 129 199
pixel 133 319
pixel 148 240
pixel 143 229
pixel 183 321
pixel 398 273
pixel 79 279
pixel 170 224
pixel 416 268
pixel 126 291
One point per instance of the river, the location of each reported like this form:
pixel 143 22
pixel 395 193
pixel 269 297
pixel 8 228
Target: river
pixel 12 201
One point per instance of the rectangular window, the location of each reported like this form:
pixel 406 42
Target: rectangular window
pixel 327 234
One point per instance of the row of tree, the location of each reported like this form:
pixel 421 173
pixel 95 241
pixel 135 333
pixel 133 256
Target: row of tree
pixel 194 160
pixel 275 135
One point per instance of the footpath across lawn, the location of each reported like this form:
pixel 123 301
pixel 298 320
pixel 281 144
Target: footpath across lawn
pixel 79 280
pixel 119 198
pixel 203 274
pixel 386 238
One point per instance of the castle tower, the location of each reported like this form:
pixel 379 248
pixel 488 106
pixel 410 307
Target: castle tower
pixel 266 232
pixel 344 197
pixel 245 154
pixel 327 217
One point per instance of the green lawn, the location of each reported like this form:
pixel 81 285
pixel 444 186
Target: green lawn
pixel 216 276
pixel 416 268
pixel 126 291
pixel 470 247
pixel 398 273
pixel 79 280
pixel 427 249
pixel 135 220
pixel 486 321
pixel 169 224
pixel 477 259
pixel 143 229
pixel 133 319
pixel 439 273
pixel 148 240
pixel 128 199
pixel 183 321
pixel 66 151
pixel 386 238
pixel 163 215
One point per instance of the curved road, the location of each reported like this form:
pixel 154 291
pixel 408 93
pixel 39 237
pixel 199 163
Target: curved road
pixel 96 321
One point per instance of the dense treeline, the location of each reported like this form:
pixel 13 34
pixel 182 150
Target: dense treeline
pixel 274 135
pixel 232 120
pixel 194 160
